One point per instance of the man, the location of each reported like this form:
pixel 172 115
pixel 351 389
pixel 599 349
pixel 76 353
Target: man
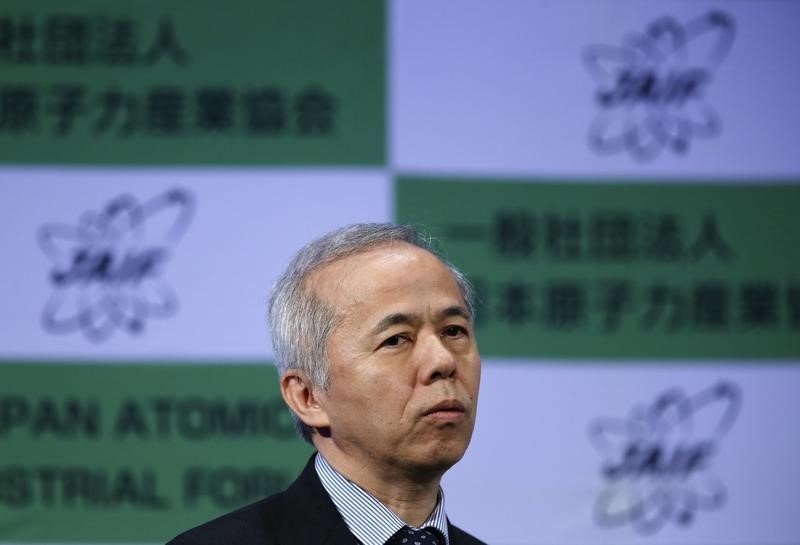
pixel 378 361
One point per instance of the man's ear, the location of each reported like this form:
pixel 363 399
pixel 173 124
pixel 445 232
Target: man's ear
pixel 300 395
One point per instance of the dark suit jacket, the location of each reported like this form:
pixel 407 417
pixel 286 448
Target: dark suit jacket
pixel 303 514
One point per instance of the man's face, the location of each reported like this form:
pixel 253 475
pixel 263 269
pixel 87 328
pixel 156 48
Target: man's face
pixel 404 364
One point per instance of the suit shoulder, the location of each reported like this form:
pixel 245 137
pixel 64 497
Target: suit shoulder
pixel 247 525
pixel 460 537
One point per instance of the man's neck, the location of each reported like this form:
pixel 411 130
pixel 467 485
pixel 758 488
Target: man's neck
pixel 411 496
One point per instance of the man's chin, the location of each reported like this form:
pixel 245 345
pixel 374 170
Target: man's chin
pixel 438 458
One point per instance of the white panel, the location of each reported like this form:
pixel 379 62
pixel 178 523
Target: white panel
pixel 533 476
pixel 502 88
pixel 246 224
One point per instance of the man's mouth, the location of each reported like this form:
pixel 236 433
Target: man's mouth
pixel 448 410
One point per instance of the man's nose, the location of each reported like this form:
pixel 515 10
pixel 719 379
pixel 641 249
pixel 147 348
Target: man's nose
pixel 437 360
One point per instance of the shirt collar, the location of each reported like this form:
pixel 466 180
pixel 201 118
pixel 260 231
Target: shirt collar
pixel 366 517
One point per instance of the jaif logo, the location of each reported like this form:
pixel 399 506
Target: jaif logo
pixel 657 463
pixel 108 270
pixel 653 89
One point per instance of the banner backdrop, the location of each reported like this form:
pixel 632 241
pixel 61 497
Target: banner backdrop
pixel 619 179
pixel 254 83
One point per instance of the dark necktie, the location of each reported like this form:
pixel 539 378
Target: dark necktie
pixel 409 536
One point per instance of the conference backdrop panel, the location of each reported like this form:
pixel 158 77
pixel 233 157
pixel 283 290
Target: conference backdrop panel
pixel 618 179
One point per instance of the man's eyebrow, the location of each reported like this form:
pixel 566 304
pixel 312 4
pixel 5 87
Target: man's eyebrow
pixel 392 319
pixel 403 318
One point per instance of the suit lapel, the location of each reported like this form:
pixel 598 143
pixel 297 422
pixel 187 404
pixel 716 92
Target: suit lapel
pixel 308 516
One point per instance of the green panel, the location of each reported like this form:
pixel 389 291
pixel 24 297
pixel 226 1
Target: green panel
pixel 137 453
pixel 272 82
pixel 622 270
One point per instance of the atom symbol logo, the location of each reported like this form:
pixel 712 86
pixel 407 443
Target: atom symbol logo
pixel 652 88
pixel 657 461
pixel 107 269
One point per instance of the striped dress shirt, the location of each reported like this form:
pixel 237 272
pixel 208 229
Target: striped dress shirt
pixel 365 516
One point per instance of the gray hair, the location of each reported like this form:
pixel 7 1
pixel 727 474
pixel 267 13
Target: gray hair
pixel 300 322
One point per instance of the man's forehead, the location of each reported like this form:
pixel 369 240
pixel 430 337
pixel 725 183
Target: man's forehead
pixel 382 267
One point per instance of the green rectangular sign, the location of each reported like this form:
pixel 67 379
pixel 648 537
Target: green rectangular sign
pixel 622 270
pixel 272 83
pixel 137 453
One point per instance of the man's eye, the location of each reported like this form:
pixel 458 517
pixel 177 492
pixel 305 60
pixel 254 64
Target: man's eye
pixel 394 340
pixel 454 331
